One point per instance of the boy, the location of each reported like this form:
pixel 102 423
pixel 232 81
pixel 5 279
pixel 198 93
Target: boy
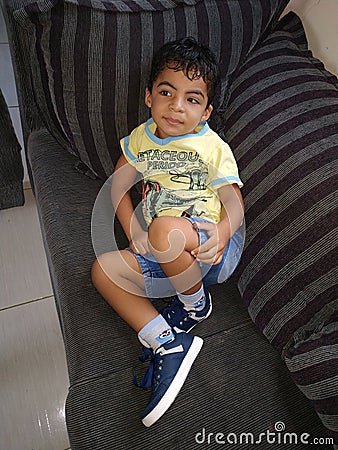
pixel 194 212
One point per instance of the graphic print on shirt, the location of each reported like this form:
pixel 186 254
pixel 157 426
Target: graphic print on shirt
pixel 174 181
pixel 182 174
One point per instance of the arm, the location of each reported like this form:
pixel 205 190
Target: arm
pixel 232 214
pixel 232 207
pixel 123 179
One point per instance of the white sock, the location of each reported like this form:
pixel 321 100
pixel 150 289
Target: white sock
pixel 193 301
pixel 156 333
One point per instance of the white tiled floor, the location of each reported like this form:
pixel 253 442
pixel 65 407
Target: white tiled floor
pixel 33 375
pixel 24 273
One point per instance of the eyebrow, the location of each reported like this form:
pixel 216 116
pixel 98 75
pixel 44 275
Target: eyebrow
pixel 196 91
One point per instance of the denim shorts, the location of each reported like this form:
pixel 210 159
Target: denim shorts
pixel 157 285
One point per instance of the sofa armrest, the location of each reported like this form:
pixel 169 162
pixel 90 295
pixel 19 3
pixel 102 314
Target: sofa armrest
pixel 11 168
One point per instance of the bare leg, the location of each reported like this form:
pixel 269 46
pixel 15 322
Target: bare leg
pixel 171 240
pixel 118 278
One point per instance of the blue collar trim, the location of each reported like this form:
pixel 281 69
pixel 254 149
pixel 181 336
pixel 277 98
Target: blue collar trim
pixel 169 139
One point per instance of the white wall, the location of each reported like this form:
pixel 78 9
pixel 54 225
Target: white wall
pixel 320 19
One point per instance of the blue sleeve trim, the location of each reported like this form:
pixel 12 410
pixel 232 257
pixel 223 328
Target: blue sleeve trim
pixel 226 180
pixel 127 151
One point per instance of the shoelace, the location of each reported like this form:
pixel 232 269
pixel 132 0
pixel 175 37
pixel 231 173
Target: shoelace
pixel 146 381
pixel 174 310
pixel 152 375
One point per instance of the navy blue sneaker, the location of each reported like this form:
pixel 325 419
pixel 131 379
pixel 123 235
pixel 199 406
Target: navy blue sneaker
pixel 167 372
pixel 181 319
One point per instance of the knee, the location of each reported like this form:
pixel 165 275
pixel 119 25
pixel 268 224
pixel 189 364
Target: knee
pixel 159 230
pixel 167 238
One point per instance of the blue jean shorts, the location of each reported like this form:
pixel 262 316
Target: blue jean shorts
pixel 157 285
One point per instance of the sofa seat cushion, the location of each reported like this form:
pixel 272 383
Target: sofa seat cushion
pixel 90 60
pixel 238 390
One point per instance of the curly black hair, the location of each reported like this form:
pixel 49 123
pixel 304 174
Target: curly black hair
pixel 194 59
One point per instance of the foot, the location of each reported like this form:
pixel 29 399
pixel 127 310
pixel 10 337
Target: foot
pixel 181 319
pixel 169 367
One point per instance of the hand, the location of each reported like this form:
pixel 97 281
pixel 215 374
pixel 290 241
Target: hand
pixel 211 252
pixel 139 243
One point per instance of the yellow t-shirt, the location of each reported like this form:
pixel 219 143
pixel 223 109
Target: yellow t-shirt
pixel 181 174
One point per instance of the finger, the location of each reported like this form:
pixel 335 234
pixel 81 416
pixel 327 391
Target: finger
pixel 208 245
pixel 137 248
pixel 207 249
pixel 146 248
pixel 210 253
pixel 207 226
pixel 142 248
pixel 207 258
pixel 132 246
pixel 218 259
pixel 214 260
pixel 212 240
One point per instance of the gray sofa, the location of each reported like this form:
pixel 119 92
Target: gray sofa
pixel 11 168
pixel 269 366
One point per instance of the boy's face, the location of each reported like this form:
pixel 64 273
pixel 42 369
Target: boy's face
pixel 177 103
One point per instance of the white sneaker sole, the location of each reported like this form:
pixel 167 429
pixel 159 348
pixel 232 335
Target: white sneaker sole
pixel 176 385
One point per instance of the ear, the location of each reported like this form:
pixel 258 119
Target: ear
pixel 147 98
pixel 207 113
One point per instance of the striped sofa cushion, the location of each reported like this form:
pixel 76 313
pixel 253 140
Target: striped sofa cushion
pixel 282 123
pixel 90 60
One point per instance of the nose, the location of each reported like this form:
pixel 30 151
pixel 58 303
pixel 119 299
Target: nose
pixel 177 104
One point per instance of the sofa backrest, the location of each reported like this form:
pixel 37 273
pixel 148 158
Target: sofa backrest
pixel 84 64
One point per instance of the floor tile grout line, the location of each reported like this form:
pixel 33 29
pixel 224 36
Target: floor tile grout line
pixel 6 308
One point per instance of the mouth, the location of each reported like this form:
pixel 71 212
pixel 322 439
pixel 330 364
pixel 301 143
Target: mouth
pixel 173 122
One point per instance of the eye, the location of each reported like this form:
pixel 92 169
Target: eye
pixel 165 93
pixel 193 100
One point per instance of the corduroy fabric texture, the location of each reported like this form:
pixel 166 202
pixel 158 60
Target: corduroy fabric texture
pixel 11 168
pixel 90 63
pixel 282 124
